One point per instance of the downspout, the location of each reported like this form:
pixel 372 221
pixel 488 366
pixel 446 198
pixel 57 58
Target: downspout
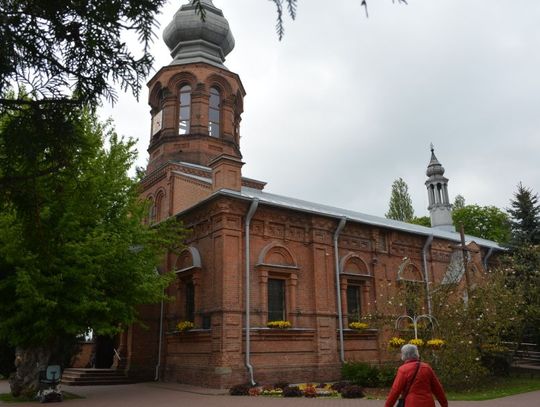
pixel 338 289
pixel 488 255
pixel 251 212
pixel 158 366
pixel 426 273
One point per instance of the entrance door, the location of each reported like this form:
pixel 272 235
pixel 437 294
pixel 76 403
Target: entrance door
pixel 104 352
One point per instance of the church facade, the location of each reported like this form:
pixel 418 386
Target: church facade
pixel 253 257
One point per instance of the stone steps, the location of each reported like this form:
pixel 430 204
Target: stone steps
pixel 94 377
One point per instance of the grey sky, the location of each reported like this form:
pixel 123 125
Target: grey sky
pixel 344 105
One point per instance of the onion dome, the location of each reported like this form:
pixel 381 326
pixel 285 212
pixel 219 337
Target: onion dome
pixel 192 40
pixel 434 167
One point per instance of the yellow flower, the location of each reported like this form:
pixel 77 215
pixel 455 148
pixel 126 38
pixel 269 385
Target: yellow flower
pixel 279 324
pixel 185 326
pixel 417 342
pixel 396 342
pixel 435 343
pixel 358 325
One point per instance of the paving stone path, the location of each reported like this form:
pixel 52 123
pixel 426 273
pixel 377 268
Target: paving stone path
pixel 166 394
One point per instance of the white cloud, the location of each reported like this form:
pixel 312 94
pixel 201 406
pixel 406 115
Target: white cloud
pixel 344 105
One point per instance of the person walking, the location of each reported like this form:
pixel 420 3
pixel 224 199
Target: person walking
pixel 416 382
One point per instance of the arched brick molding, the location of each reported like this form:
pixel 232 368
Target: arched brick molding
pixel 276 262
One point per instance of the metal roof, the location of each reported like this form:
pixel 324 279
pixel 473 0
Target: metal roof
pixel 326 210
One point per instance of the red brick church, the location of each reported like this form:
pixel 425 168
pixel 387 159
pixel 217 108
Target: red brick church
pixel 255 257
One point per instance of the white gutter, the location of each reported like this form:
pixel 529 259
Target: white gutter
pixel 426 273
pixel 486 258
pixel 251 212
pixel 338 289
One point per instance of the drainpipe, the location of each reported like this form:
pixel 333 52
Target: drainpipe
pixel 426 274
pixel 486 258
pixel 338 289
pixel 158 366
pixel 251 212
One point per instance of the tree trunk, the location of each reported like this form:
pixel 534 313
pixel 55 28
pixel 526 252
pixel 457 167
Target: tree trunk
pixel 29 362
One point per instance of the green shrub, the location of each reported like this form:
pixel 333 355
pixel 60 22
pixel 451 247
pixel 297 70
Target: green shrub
pixel 386 375
pixel 361 374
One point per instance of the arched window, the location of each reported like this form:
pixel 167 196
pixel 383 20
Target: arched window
pixel 214 112
pixel 185 110
pixel 158 207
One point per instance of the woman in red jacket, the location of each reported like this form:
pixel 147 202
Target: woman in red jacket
pixel 424 386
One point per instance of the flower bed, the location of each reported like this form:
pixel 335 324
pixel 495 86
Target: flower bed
pixel 309 390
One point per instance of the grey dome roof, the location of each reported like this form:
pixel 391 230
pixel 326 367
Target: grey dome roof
pixel 192 40
pixel 434 167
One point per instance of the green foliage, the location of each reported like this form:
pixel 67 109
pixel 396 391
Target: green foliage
pixel 363 374
pixel 74 252
pixel 523 271
pixel 496 388
pixel 400 207
pixel 474 328
pixel 56 48
pixel 459 202
pixel 422 221
pixel 525 217
pixel 487 222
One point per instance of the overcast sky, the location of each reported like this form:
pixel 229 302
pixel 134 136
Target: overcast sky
pixel 344 105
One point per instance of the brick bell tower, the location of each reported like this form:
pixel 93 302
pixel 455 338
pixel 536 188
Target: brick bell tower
pixel 196 102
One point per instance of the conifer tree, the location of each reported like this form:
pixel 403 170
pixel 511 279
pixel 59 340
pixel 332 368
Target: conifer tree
pixel 400 202
pixel 525 217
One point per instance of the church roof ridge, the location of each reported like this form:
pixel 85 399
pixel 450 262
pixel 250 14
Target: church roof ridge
pixel 335 212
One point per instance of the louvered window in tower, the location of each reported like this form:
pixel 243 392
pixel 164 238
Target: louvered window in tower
pixel 214 112
pixel 185 110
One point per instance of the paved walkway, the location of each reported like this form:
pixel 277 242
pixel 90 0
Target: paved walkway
pixel 169 394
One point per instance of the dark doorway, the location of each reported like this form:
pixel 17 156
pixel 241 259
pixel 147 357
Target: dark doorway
pixel 104 352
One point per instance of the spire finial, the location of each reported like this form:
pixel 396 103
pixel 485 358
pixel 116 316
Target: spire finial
pixel 432 147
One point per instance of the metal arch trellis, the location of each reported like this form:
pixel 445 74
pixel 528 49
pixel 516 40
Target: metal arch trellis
pixel 415 319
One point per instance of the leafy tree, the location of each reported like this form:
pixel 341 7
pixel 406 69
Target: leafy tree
pixel 422 221
pixel 525 213
pixel 400 202
pixel 487 222
pixel 64 47
pixel 459 202
pixel 475 335
pixel 523 266
pixel 74 252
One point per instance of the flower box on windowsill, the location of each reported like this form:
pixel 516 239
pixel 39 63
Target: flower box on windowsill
pixel 279 324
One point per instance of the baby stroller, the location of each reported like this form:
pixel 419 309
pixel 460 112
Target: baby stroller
pixel 49 384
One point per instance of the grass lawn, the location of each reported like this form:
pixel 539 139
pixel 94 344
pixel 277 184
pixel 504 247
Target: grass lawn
pixel 494 388
pixel 498 387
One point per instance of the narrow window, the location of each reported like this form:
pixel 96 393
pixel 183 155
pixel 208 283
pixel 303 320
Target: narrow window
pixel 185 110
pixel 214 112
pixel 190 301
pixel 353 303
pixel 158 207
pixel 276 300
